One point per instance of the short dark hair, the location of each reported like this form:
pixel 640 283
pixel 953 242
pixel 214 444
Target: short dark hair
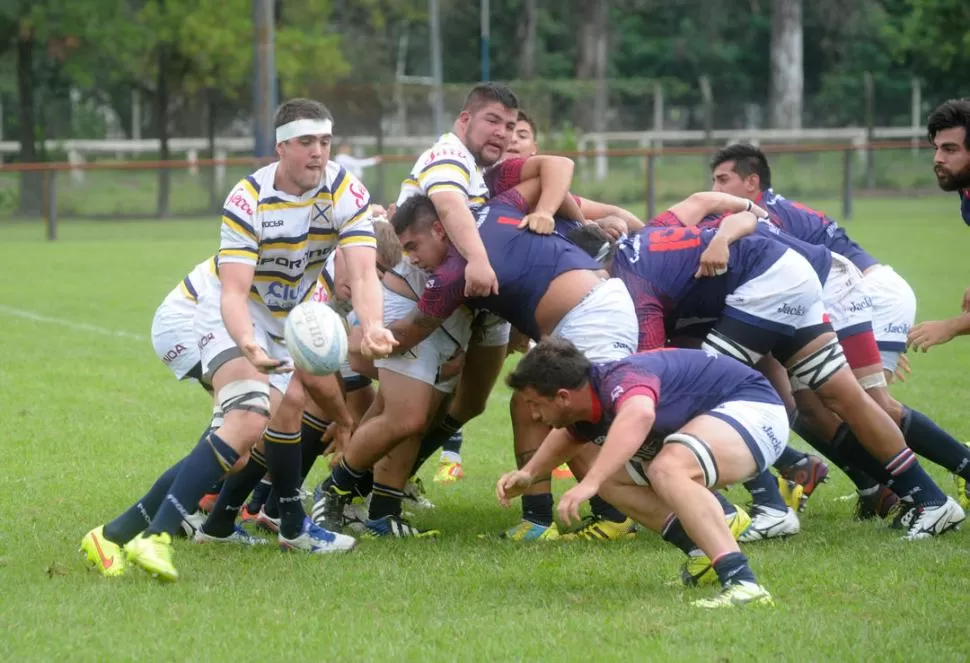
pixel 748 160
pixel 553 364
pixel 950 114
pixel 592 239
pixel 524 117
pixel 300 109
pixel 417 212
pixel 486 93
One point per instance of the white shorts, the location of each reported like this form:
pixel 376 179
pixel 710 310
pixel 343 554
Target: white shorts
pixel 216 346
pixel 173 336
pixel 490 331
pixel 785 298
pixel 846 301
pixel 603 326
pixel 762 426
pixel 893 311
pixel 423 361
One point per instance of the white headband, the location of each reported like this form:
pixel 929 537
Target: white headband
pixel 304 128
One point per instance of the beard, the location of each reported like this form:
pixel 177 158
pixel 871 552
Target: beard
pixel 954 181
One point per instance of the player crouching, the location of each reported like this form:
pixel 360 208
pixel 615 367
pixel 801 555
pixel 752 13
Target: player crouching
pixel 673 425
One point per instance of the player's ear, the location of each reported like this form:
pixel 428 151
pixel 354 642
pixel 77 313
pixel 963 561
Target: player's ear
pixel 563 397
pixel 279 150
pixel 438 231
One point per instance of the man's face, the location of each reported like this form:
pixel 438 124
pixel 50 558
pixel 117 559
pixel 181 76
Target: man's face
pixel 727 180
pixel 951 162
pixel 426 248
pixel 486 132
pixel 523 141
pixel 303 159
pixel 556 411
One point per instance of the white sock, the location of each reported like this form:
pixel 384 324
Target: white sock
pixel 450 457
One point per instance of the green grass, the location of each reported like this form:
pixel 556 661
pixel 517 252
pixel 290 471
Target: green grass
pixel 91 420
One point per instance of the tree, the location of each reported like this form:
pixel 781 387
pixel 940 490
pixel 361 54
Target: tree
pixel 526 36
pixel 787 70
pixel 931 38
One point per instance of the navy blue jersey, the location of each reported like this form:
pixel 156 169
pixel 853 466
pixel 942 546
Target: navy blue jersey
pixel 819 257
pixel 658 265
pixel 965 205
pixel 525 264
pixel 814 227
pixel 682 384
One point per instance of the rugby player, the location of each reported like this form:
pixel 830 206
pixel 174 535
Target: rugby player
pixel 672 425
pixel 743 170
pixel 278 227
pixel 769 300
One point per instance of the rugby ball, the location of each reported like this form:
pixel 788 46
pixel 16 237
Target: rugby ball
pixel 315 338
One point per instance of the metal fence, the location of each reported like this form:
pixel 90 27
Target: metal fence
pixel 642 179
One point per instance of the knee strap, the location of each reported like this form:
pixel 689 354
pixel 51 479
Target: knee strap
pixel 246 395
pixel 702 453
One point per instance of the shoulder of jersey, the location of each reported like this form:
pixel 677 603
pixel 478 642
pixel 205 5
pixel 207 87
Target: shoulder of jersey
pixel 445 149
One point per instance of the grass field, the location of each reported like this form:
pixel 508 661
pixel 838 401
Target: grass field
pixel 92 418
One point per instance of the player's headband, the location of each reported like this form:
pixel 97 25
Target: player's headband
pixel 304 128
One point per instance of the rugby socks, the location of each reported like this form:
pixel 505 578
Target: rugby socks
pixel 451 449
pixel 128 525
pixel 674 533
pixel 311 446
pixel 435 438
pixel 789 458
pixel 764 492
pixel 365 484
pixel 260 494
pixel 344 478
pixel 283 457
pixel 909 480
pixel 930 441
pixel 732 568
pixel 222 518
pixel 604 510
pixel 211 460
pixel 385 501
pixel 537 509
pixel 832 451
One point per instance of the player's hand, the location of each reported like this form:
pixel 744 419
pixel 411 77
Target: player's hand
pixel 391 209
pixel 925 335
pixel 902 369
pixel 612 226
pixel 518 342
pixel 758 211
pixel 452 367
pixel 714 260
pixel 378 211
pixel 541 223
pixel 572 499
pixel 966 301
pixel 262 361
pixel 336 438
pixel 480 279
pixel 377 343
pixel 511 485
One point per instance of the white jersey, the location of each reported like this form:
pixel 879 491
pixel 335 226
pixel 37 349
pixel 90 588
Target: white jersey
pixel 198 280
pixel 325 293
pixel 447 166
pixel 288 238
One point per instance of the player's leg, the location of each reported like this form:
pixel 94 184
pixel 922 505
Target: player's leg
pixel 607 521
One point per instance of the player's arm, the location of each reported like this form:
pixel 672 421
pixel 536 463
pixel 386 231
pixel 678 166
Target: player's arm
pixel 453 212
pixel 443 294
pixel 714 259
pixel 595 210
pixel 555 175
pixel 925 335
pixel 650 319
pixel 634 419
pixel 412 329
pixel 558 447
pixel 698 205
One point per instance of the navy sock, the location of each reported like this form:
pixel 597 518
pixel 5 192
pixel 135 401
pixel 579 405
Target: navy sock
pixel 910 481
pixel 733 567
pixel 217 486
pixel 344 478
pixel 311 442
pixel 930 441
pixel 764 491
pixel 364 485
pixel 453 443
pixel 852 458
pixel 673 531
pixel 260 493
pixel 385 501
pixel 603 509
pixel 434 438
pixel 222 519
pixel 537 509
pixel 729 509
pixel 211 460
pixel 283 456
pixel 128 525
pixel 788 458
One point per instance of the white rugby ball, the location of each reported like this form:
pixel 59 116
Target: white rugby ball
pixel 316 338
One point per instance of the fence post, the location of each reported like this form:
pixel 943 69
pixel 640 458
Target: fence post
pixel 708 96
pixel 50 196
pixel 847 184
pixel 870 89
pixel 651 186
